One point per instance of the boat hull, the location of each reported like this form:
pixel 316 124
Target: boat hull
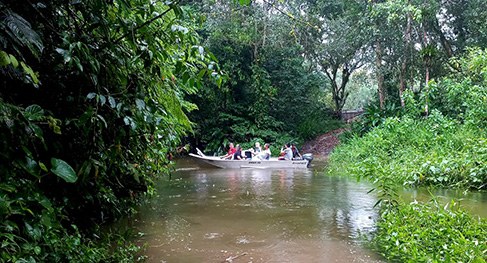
pixel 252 163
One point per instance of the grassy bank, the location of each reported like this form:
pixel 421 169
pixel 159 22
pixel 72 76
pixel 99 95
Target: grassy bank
pixel 430 152
pixel 445 147
pixel 434 152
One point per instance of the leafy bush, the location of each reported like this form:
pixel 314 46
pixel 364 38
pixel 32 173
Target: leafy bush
pixel 463 94
pixel 465 101
pixel 34 223
pixel 429 233
pixel 373 116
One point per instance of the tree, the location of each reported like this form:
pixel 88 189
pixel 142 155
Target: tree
pixel 414 39
pixel 91 101
pixel 338 45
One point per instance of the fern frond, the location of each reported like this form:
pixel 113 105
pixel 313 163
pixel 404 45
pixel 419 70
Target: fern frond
pixel 19 33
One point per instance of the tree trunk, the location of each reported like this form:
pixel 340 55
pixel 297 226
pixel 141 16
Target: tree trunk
pixel 426 110
pixel 338 91
pixel 334 86
pixel 402 82
pixel 444 42
pixel 428 56
pixel 346 72
pixel 380 76
pixel 404 65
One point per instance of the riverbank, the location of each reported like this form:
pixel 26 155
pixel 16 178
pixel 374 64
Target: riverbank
pixel 323 145
pixel 420 153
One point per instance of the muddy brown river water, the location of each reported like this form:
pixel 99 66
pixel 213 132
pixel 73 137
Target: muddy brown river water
pixel 252 215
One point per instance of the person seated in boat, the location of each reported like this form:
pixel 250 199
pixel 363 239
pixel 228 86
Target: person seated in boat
pixel 296 154
pixel 238 153
pixel 257 148
pixel 265 154
pixel 230 153
pixel 252 152
pixel 286 152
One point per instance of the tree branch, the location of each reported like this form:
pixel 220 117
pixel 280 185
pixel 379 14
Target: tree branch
pixel 144 24
pixel 273 5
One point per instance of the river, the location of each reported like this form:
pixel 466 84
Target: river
pixel 256 215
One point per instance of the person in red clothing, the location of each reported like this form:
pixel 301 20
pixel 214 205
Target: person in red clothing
pixel 230 153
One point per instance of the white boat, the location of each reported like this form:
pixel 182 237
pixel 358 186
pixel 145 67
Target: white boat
pixel 253 163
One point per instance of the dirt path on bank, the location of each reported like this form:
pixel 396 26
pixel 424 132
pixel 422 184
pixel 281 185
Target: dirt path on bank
pixel 322 146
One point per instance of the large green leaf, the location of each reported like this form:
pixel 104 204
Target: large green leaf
pixel 244 2
pixel 4 59
pixel 63 170
pixel 34 113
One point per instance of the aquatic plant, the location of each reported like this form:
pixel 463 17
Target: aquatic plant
pixel 429 233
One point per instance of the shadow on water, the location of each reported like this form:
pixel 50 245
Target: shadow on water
pixel 256 215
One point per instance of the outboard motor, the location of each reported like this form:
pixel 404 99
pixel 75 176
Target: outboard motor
pixel 309 157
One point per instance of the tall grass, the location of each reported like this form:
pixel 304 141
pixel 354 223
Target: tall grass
pixel 435 151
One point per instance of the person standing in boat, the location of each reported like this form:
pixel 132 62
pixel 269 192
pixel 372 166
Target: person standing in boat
pixel 230 153
pixel 286 152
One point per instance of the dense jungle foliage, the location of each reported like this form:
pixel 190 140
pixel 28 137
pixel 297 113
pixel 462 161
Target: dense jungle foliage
pixel 292 66
pixel 91 103
pixel 271 94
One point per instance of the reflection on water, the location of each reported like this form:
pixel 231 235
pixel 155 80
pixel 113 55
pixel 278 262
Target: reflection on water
pixel 254 215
